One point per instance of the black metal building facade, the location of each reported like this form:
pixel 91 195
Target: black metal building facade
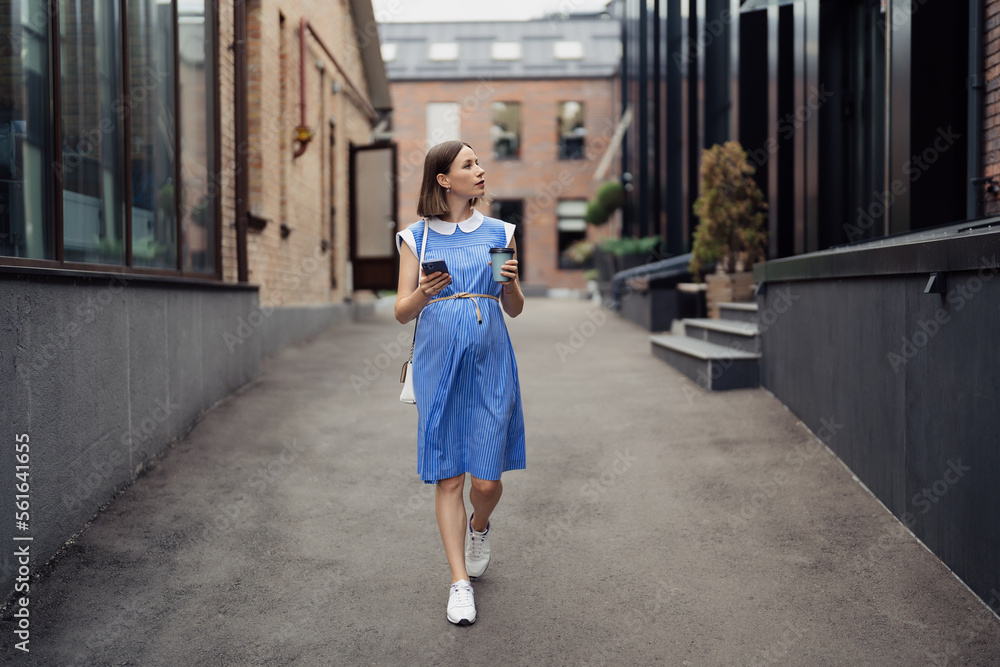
pixel 878 304
pixel 680 76
pixel 840 105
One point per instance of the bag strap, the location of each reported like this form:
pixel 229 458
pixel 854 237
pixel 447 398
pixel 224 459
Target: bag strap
pixel 423 247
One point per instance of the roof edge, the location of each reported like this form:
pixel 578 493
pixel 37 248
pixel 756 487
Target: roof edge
pixel 366 32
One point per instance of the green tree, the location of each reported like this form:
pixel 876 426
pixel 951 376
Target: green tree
pixel 732 211
pixel 608 199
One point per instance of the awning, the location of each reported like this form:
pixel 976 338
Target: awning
pixel 616 141
pixel 751 5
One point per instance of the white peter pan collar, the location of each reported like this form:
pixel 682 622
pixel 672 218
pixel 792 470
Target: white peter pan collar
pixel 471 224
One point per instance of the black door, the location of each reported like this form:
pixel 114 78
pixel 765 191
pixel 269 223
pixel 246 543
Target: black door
pixel 373 217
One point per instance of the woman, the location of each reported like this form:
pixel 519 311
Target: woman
pixel 465 376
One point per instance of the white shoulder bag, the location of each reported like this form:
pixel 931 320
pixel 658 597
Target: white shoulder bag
pixel 406 376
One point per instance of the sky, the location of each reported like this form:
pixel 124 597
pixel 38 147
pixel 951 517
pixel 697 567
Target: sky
pixel 467 10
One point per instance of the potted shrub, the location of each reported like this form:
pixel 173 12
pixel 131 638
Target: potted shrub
pixel 578 255
pixel 608 199
pixel 604 260
pixel 731 232
pixel 631 252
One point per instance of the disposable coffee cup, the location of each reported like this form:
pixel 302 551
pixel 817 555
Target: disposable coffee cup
pixel 498 256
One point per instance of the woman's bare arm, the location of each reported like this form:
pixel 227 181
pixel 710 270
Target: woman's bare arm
pixel 412 296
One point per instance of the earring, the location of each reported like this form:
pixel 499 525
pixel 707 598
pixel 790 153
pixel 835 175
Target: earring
pixel 448 190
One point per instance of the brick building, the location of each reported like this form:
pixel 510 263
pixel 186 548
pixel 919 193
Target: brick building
pixel 991 100
pixel 174 203
pixel 302 254
pixel 535 99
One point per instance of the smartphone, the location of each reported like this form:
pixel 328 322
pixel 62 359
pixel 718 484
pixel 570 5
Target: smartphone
pixel 433 266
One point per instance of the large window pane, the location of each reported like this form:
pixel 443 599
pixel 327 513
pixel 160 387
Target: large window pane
pixel 506 130
pixel 443 122
pixel 26 228
pixel 571 131
pixel 199 184
pixel 93 215
pixel 151 98
pixel 571 228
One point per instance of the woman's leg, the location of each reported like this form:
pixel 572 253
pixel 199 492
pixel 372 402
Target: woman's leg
pixel 449 506
pixel 484 495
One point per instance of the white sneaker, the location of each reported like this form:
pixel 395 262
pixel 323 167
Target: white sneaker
pixel 477 551
pixel 461 604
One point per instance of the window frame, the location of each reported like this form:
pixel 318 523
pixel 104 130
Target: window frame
pixel 53 185
pixel 453 107
pixel 516 155
pixel 506 51
pixel 562 154
pixel 568 49
pixel 443 52
pixel 561 265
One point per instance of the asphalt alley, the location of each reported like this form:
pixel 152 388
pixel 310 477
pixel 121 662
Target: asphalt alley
pixel 655 524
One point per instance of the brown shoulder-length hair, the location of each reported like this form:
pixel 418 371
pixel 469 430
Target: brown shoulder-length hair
pixel 438 161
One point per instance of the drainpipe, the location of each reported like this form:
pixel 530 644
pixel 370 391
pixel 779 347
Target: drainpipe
pixel 974 200
pixel 362 101
pixel 303 135
pixel 242 133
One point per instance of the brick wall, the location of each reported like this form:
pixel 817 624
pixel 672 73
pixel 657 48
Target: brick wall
pixel 991 126
pixel 538 177
pixel 299 192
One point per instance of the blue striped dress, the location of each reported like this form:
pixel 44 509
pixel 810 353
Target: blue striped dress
pixel 465 375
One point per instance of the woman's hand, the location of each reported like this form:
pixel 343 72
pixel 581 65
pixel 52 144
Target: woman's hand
pixel 509 270
pixel 511 298
pixel 412 295
pixel 431 285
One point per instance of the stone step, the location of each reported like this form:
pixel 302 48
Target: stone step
pixel 729 333
pixel 740 312
pixel 713 367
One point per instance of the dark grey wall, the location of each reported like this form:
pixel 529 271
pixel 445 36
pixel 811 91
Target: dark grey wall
pixel 291 325
pixel 102 374
pixel 904 387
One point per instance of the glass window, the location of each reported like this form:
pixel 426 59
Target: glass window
pixel 571 131
pixel 389 52
pixel 26 229
pixel 96 122
pixel 152 145
pixel 567 50
pixel 443 51
pixel 506 130
pixel 92 113
pixel 571 227
pixel 505 51
pixel 199 183
pixel 443 122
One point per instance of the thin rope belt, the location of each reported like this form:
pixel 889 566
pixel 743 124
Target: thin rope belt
pixel 466 295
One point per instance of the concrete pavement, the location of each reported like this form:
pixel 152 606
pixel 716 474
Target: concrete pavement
pixel 655 524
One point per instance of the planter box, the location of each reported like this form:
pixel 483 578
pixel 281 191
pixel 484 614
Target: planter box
pixel 727 288
pixel 625 262
pixel 655 303
pixel 655 309
pixel 605 264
